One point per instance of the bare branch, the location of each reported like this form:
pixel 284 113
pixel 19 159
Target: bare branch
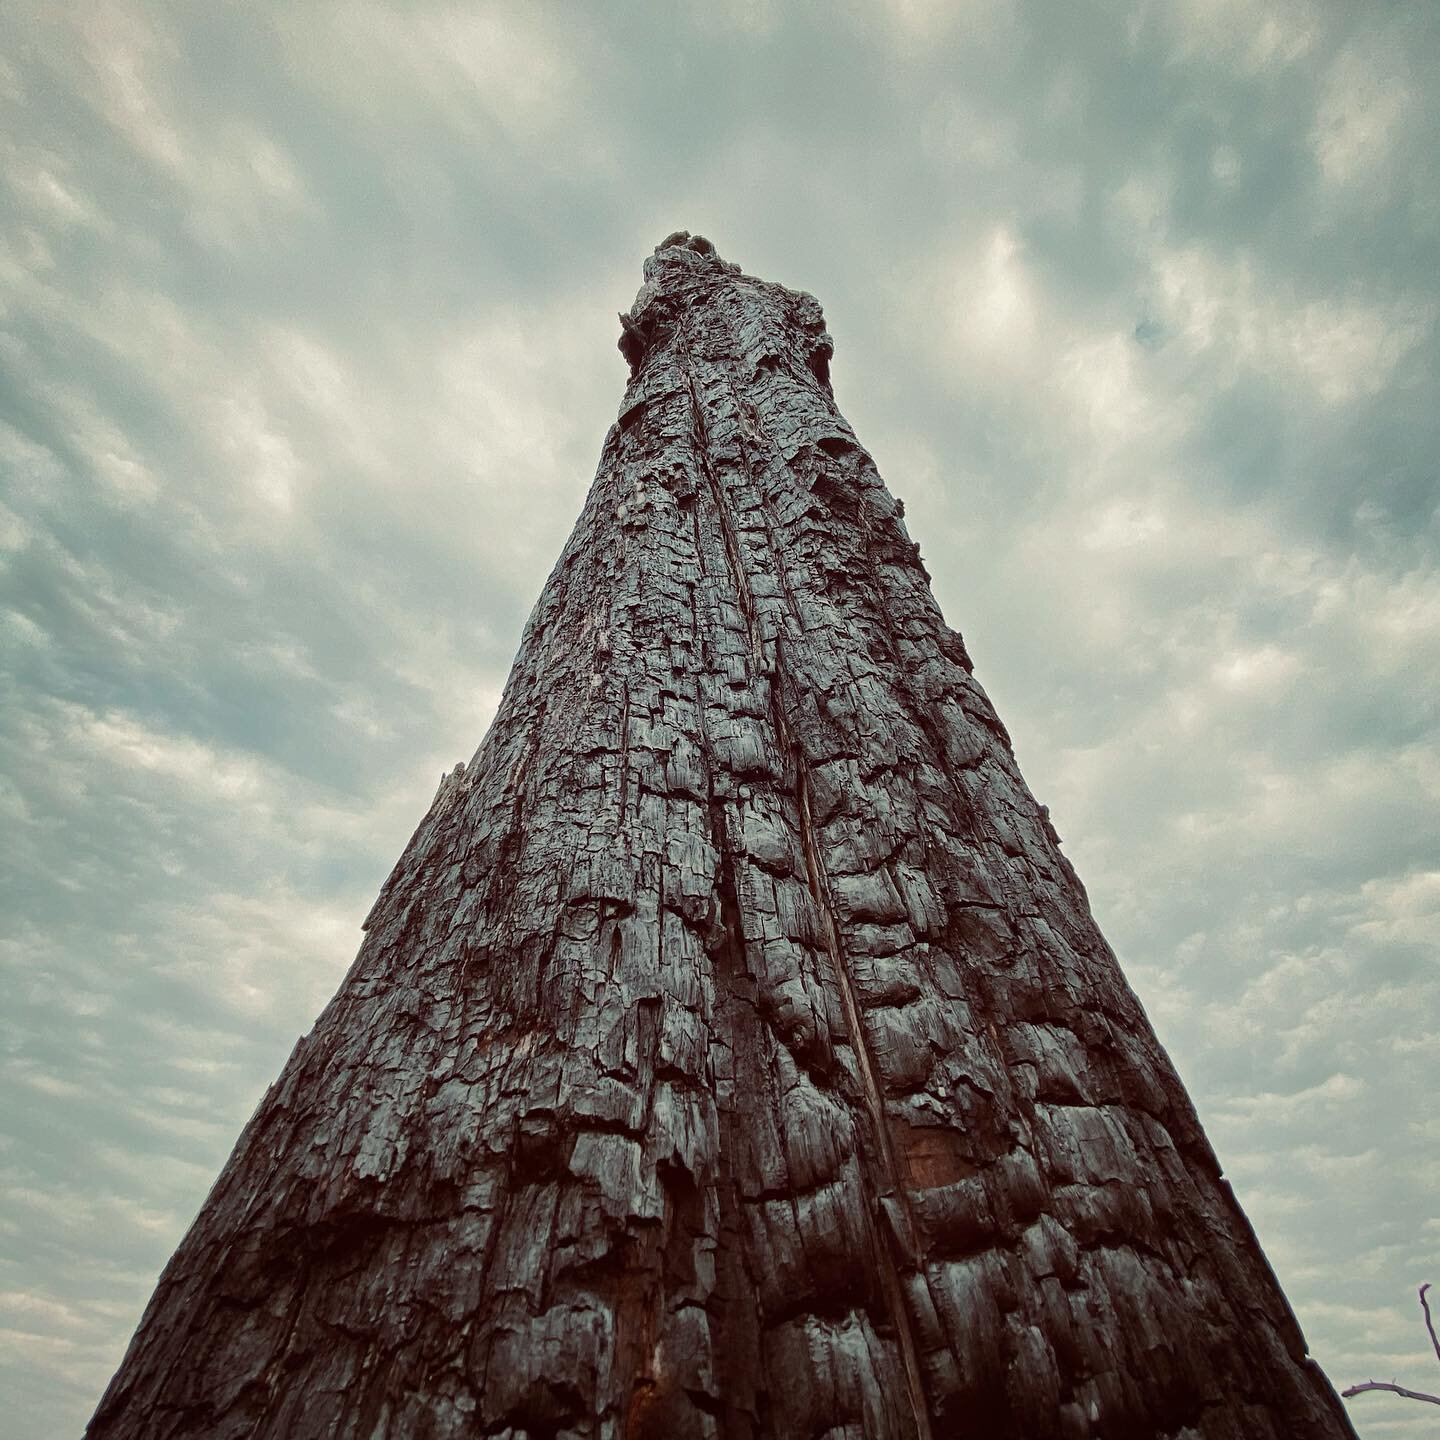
pixel 1429 1323
pixel 1400 1389
pixel 1393 1389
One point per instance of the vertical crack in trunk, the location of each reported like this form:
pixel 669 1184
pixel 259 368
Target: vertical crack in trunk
pixel 819 887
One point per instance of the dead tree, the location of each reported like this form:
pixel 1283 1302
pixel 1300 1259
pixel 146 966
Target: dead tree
pixel 732 1052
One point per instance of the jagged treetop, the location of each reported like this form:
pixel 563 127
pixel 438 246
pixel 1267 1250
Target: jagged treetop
pixel 686 268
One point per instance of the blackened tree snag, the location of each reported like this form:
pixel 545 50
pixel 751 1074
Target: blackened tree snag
pixel 731 1052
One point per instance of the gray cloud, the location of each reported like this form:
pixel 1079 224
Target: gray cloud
pixel 306 355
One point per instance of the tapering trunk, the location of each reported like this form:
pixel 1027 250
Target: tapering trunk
pixel 732 1052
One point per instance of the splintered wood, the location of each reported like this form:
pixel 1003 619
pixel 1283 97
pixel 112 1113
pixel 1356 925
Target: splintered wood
pixel 732 1052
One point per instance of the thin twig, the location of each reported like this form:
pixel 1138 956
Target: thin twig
pixel 1429 1323
pixel 1394 1390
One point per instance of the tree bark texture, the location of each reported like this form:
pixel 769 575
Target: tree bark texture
pixel 732 1052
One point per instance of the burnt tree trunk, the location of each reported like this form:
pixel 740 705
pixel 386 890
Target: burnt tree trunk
pixel 732 1052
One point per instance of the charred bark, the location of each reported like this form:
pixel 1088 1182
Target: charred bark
pixel 732 1052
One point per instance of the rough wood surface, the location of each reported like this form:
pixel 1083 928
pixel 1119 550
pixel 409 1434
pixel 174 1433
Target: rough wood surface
pixel 731 1053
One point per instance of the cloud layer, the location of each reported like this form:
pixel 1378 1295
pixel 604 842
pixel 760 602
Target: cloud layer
pixel 306 352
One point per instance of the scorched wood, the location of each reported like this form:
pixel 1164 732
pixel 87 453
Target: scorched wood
pixel 732 1052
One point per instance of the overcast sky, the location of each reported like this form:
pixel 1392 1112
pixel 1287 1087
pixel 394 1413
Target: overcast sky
pixel 307 348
